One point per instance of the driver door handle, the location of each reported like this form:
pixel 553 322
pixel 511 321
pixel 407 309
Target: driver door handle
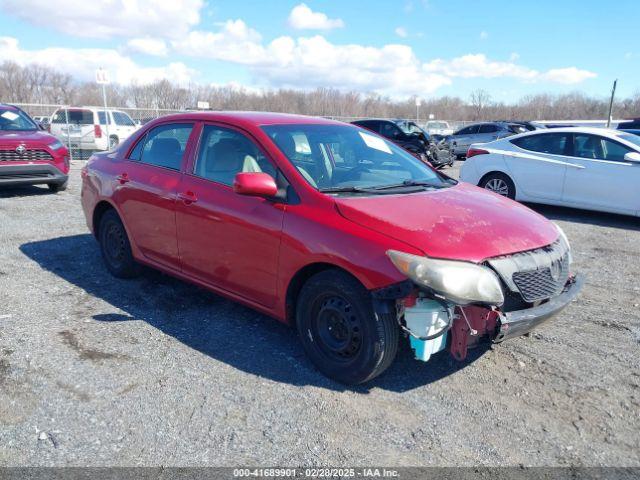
pixel 188 197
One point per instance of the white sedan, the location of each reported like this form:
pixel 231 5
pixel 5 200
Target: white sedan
pixel 589 168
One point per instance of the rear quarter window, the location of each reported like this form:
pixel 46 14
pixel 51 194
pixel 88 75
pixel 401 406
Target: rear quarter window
pixel 551 143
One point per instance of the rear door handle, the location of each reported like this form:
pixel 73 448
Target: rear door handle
pixel 123 178
pixel 188 197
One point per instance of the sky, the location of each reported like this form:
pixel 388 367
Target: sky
pixel 397 48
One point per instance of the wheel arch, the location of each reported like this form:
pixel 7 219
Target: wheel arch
pixel 300 278
pixel 500 172
pixel 99 210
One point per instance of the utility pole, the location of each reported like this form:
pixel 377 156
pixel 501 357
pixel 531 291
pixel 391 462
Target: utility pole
pixel 613 93
pixel 418 103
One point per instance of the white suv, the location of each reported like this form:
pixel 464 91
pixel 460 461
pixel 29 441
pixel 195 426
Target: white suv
pixel 438 127
pixel 86 128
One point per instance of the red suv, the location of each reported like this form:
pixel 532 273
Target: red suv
pixel 29 156
pixel 329 227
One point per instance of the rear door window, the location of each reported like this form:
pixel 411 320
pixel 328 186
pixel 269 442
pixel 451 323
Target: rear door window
pixel 164 146
pixel 487 128
pixel 389 130
pixel 551 143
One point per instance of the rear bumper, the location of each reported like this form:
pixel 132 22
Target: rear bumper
pixel 30 175
pixel 519 322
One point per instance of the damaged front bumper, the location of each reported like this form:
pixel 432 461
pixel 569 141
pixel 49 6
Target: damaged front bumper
pixel 459 327
pixel 519 322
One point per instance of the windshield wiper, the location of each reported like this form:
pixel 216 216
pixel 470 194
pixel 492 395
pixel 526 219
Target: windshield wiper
pixel 344 189
pixel 410 183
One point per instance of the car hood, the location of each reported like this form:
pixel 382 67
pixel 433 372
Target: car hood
pixel 459 223
pixel 11 138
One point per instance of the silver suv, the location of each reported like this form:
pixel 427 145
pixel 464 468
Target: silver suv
pixel 460 140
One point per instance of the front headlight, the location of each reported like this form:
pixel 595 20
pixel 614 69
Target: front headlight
pixel 563 237
pixel 55 145
pixel 459 282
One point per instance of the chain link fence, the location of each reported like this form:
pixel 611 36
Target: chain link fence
pixel 86 133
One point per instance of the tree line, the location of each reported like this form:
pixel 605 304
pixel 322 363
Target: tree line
pixel 43 85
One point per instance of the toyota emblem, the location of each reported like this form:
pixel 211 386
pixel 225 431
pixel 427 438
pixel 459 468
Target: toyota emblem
pixel 20 149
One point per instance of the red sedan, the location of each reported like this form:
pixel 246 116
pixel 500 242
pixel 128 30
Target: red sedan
pixel 329 227
pixel 29 156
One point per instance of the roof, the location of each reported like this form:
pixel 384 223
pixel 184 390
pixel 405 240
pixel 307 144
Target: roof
pixel 254 118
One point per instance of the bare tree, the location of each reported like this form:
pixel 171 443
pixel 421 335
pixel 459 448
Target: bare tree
pixel 479 100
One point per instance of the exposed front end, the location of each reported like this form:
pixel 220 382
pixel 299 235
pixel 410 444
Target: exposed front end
pixel 454 305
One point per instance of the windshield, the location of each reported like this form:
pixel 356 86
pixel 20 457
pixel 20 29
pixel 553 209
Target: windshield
pixel 629 137
pixel 12 119
pixel 336 157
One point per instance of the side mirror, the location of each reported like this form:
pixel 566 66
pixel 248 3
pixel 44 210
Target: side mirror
pixel 632 157
pixel 255 184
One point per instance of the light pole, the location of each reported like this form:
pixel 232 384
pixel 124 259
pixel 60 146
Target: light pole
pixel 102 78
pixel 418 103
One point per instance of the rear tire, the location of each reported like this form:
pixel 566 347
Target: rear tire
pixel 115 247
pixel 339 330
pixel 499 183
pixel 58 187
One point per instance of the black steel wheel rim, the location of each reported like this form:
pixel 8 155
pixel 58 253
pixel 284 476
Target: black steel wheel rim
pixel 337 327
pixel 115 244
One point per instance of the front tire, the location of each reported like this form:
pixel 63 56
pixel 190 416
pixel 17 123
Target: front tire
pixel 58 187
pixel 499 183
pixel 115 247
pixel 339 330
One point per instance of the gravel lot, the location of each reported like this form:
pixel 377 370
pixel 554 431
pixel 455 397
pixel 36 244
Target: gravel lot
pixel 153 371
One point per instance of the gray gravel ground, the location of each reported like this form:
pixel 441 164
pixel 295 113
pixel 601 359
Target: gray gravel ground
pixel 153 371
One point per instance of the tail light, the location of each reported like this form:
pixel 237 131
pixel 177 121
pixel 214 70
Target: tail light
pixel 97 131
pixel 472 152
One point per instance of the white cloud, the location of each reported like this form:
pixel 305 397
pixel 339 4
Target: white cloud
pixel 401 32
pixel 235 42
pixel 478 65
pixel 514 57
pixel 82 63
pixel 484 35
pixel 309 62
pixel 303 18
pixel 567 76
pixel 109 18
pixel 149 46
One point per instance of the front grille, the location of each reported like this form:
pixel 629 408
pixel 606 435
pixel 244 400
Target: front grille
pixel 29 155
pixel 535 274
pixel 543 283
